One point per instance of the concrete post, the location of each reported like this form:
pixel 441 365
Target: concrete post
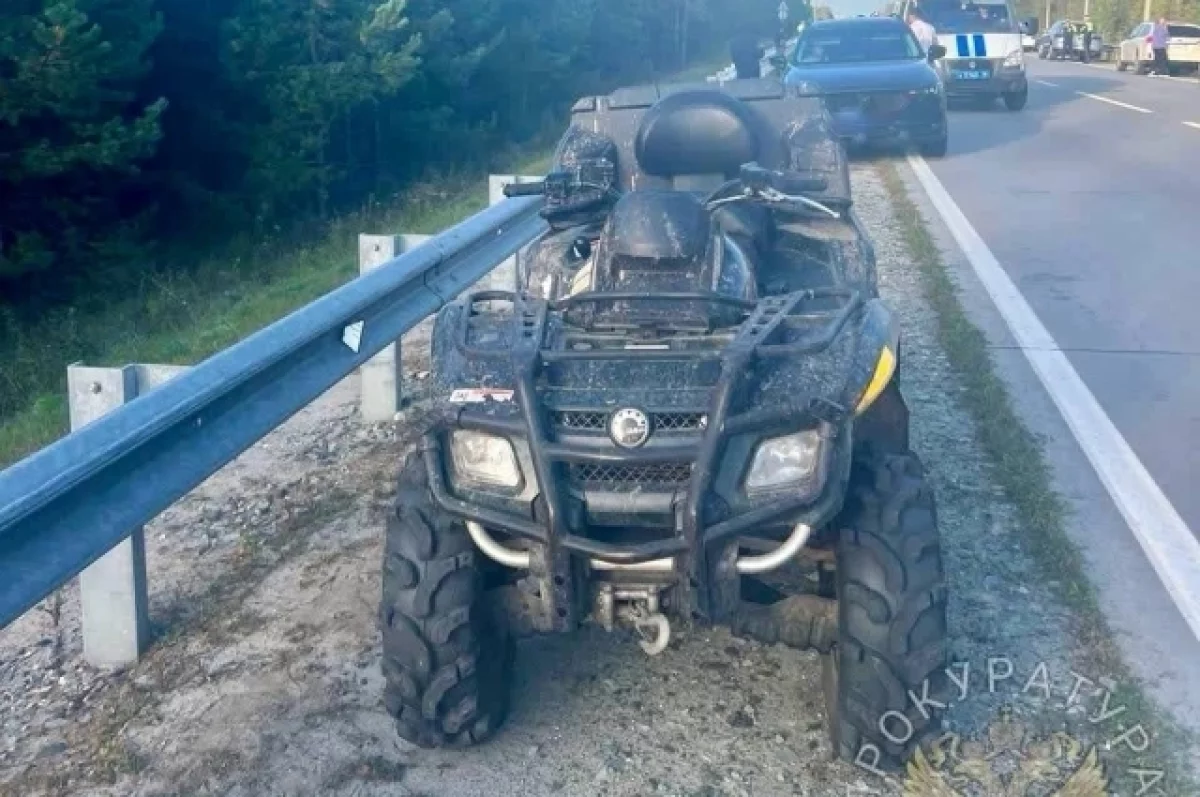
pixel 113 594
pixel 382 376
pixel 506 276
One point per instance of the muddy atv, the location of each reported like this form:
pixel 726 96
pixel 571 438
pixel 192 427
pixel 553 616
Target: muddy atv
pixel 688 412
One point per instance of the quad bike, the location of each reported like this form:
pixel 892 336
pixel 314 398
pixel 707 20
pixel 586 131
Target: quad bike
pixel 689 412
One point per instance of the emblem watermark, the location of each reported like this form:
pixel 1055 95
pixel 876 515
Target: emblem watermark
pixel 1035 760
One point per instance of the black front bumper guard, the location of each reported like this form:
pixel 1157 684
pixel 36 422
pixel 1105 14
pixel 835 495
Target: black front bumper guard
pixel 692 542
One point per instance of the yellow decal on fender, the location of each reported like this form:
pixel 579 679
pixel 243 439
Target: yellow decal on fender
pixel 582 280
pixel 884 368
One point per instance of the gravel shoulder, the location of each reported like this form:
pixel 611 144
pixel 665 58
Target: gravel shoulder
pixel 265 681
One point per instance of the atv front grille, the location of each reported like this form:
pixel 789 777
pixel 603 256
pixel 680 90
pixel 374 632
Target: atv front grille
pixel 669 474
pixel 590 421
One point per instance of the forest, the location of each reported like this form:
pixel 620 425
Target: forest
pixel 1113 18
pixel 128 124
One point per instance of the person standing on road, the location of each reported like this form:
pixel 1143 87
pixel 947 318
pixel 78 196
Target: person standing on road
pixel 1159 38
pixel 747 56
pixel 924 32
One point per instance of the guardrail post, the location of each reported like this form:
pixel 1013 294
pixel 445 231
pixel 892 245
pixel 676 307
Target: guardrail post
pixel 506 276
pixel 113 595
pixel 382 376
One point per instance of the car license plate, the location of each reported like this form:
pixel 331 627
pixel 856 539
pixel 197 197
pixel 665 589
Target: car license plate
pixel 970 74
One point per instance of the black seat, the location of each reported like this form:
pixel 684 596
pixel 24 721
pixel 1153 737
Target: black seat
pixel 696 132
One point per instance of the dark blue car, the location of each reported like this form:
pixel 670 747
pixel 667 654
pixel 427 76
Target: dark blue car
pixel 879 84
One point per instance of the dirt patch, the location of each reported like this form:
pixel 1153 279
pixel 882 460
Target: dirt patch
pixel 266 679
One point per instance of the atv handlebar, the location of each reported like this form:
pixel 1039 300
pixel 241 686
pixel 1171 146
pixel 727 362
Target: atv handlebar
pixel 536 188
pixel 753 182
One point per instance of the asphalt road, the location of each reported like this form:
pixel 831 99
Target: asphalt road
pixel 1090 199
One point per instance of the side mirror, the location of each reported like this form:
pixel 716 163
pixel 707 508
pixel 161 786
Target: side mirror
pixel 779 62
pixel 936 52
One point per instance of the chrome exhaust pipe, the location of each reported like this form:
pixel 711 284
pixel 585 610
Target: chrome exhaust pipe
pixel 746 565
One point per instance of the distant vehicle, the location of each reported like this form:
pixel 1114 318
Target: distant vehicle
pixel 879 85
pixel 985 52
pixel 1029 31
pixel 1183 49
pixel 1063 41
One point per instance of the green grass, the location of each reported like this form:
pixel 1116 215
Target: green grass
pixel 1018 464
pixel 183 319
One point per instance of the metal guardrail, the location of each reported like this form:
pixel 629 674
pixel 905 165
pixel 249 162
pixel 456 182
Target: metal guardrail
pixel 65 506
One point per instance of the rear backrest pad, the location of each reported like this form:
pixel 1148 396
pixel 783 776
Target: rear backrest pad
pixel 790 130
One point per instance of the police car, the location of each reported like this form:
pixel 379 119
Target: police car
pixel 985 53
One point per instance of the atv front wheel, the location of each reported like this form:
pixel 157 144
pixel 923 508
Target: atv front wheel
pixel 445 662
pixel 891 615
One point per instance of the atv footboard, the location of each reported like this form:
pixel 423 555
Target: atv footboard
pixel 595 517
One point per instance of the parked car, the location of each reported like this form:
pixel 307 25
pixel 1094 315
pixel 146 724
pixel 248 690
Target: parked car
pixel 878 84
pixel 985 59
pixel 1183 48
pixel 1029 31
pixel 1064 41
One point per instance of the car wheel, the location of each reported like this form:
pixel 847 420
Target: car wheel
pixel 1015 100
pixel 1122 66
pixel 1042 53
pixel 936 148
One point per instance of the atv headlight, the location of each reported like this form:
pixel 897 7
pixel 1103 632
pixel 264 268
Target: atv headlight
pixel 782 461
pixel 885 367
pixel 1015 60
pixel 484 458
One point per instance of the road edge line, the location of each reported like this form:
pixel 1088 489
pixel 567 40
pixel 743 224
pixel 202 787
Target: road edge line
pixel 1168 543
pixel 1111 101
pixel 1020 467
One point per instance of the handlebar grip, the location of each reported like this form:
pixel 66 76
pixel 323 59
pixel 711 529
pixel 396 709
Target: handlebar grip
pixel 525 189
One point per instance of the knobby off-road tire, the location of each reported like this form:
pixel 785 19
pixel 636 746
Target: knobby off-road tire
pixel 891 614
pixel 446 661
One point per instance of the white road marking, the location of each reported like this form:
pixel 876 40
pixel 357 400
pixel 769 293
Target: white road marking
pixel 1166 539
pixel 1195 125
pixel 1112 68
pixel 1046 83
pixel 1174 77
pixel 1111 101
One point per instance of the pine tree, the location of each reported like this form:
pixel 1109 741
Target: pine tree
pixel 308 64
pixel 71 134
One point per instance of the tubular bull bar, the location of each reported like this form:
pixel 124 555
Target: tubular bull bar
pixel 700 576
